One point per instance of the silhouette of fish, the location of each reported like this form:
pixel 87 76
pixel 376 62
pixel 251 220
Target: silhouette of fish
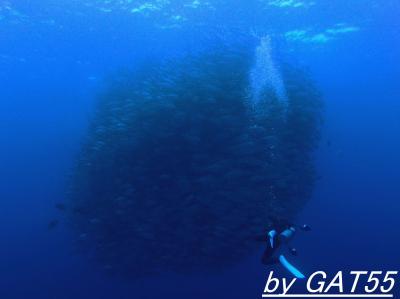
pixel 53 224
pixel 60 206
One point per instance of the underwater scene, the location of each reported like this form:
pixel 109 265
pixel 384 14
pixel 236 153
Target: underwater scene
pixel 199 149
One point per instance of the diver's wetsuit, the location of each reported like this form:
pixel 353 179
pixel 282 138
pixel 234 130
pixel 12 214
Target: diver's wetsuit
pixel 269 257
pixel 274 239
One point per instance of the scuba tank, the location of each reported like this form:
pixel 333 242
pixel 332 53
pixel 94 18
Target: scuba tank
pixel 287 235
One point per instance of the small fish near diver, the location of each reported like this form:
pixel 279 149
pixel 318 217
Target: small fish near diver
pixel 279 236
pixel 52 224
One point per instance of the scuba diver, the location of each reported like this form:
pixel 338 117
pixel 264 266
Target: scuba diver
pixel 281 234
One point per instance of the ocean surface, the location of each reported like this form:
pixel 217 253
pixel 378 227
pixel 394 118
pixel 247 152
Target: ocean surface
pixel 57 58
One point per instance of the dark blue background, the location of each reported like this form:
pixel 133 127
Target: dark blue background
pixel 52 63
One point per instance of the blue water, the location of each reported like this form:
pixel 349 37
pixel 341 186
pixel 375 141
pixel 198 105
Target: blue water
pixel 54 58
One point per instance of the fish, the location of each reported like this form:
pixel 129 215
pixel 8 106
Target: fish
pixel 60 206
pixel 53 224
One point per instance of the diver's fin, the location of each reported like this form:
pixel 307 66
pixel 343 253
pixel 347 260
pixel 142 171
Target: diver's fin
pixel 296 273
pixel 271 235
